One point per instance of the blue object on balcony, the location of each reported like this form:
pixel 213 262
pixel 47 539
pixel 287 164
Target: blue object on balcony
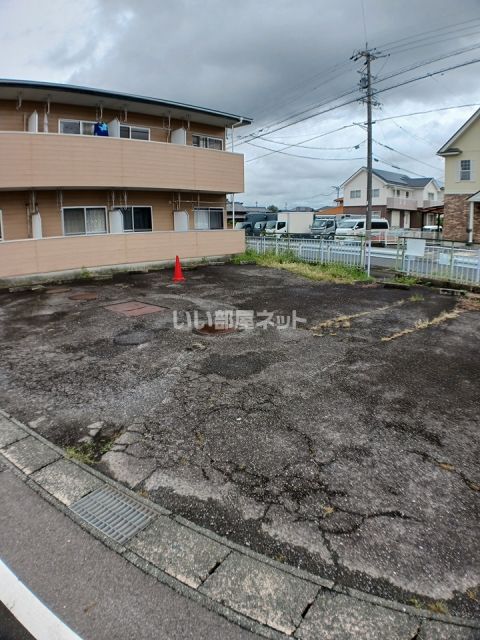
pixel 100 129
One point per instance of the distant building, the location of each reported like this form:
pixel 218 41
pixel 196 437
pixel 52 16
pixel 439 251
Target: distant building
pixel 241 210
pixel 404 201
pixel 336 210
pixel 462 182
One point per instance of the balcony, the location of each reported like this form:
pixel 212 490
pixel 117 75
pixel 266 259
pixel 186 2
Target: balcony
pixel 408 204
pixel 432 203
pixel 56 161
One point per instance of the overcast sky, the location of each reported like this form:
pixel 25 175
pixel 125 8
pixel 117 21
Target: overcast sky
pixel 269 60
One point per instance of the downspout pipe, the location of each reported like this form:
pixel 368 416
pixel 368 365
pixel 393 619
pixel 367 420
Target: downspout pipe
pixel 235 124
pixel 470 224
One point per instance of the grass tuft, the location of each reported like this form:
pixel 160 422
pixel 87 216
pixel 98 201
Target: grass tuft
pixel 89 452
pixel 287 260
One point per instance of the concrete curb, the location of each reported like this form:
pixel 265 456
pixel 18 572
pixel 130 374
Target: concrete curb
pixel 209 561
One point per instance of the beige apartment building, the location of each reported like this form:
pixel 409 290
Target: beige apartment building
pixel 92 178
pixel 462 182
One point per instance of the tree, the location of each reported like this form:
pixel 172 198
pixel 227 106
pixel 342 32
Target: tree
pixel 272 208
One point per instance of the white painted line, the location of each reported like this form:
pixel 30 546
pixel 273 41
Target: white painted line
pixel 37 618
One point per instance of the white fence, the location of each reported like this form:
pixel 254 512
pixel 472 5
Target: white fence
pixel 318 251
pixel 450 262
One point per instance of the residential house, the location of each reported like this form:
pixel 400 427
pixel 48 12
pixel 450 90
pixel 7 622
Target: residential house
pixel 336 210
pixel 404 201
pixel 462 182
pixel 92 178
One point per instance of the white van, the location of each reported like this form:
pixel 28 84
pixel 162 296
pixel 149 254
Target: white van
pixel 356 227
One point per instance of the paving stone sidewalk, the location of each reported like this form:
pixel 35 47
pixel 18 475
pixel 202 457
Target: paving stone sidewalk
pixel 264 596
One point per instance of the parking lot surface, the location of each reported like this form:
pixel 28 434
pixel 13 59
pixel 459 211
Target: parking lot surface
pixel 346 445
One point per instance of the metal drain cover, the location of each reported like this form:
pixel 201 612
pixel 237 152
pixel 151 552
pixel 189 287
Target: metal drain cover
pixel 113 513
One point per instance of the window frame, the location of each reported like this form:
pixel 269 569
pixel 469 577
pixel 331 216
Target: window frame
pixel 139 206
pixel 375 193
pixel 207 137
pixel 461 171
pixel 86 233
pixel 355 191
pixel 82 122
pixel 134 126
pixel 209 209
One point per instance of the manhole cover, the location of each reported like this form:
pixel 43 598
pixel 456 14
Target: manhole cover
pixel 85 295
pixel 215 330
pixel 113 513
pixel 134 308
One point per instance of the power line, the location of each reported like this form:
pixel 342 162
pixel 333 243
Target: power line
pixel 394 74
pixel 295 155
pixel 261 132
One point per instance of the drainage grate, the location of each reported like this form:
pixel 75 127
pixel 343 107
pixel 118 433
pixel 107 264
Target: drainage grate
pixel 113 513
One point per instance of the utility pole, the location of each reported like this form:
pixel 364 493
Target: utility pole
pixel 337 189
pixel 366 85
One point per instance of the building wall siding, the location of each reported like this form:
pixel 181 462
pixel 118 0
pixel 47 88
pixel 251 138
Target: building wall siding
pixel 13 119
pixel 51 255
pixel 16 224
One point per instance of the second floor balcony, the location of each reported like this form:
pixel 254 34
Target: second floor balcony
pixel 406 204
pixel 52 161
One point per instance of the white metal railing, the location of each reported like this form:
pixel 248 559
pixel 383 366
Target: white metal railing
pixel 452 262
pixel 349 252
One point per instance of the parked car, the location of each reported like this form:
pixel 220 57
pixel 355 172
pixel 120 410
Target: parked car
pixel 355 227
pixel 432 228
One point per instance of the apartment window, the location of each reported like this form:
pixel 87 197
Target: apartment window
pixel 398 193
pixel 137 218
pixel 80 127
pixel 135 133
pixel 375 193
pixel 465 169
pixel 207 142
pixel 211 218
pixel 84 220
pixel 431 195
pixel 356 193
pixel 407 194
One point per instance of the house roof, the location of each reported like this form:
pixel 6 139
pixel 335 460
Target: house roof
pixel 401 178
pixel 88 96
pixel 447 148
pixel 391 177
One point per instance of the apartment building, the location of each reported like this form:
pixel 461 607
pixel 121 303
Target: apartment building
pixel 92 178
pixel 462 182
pixel 404 201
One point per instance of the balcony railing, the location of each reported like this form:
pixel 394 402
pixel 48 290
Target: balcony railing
pixel 402 203
pixel 49 160
pixel 432 203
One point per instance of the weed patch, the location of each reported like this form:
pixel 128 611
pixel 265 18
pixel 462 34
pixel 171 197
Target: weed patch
pixel 287 260
pixel 420 325
pixel 89 452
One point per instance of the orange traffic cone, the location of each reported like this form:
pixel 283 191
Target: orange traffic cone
pixel 177 274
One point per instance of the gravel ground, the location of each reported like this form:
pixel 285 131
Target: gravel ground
pixel 328 447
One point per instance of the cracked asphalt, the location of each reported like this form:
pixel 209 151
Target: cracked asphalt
pixel 324 446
